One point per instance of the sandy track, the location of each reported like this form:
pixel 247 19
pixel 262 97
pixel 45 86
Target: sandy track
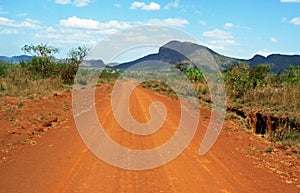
pixel 62 163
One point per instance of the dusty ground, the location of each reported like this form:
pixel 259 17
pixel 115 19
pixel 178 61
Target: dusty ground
pixel 41 151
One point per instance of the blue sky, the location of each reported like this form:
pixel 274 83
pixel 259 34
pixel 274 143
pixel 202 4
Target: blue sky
pixel 234 28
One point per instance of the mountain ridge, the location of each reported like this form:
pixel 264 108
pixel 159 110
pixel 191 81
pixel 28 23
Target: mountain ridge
pixel 277 62
pixel 171 53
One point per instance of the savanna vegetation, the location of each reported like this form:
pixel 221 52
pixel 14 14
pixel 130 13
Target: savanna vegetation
pixel 253 89
pixel 249 88
pixel 42 73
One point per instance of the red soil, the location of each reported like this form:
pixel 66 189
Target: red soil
pixel 42 151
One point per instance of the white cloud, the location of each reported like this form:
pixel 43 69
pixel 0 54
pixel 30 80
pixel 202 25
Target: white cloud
pixel 223 42
pixel 117 5
pixel 218 34
pixel 79 23
pixel 28 23
pixel 290 1
pixel 176 22
pixel 63 2
pixel 203 23
pixel 295 21
pixel 74 31
pixel 9 31
pixel 220 44
pixel 219 39
pixel 22 14
pixel 272 39
pixel 172 4
pixel 77 3
pixel 141 5
pixel 263 52
pixel 228 25
pixel 89 24
pixel 67 38
pixel 114 25
pixel 81 3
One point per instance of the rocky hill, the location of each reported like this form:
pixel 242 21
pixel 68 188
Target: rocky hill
pixel 168 54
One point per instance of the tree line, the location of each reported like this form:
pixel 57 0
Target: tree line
pixel 43 64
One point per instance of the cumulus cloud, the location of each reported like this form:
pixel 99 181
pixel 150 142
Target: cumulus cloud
pixel 114 25
pixel 81 3
pixel 228 25
pixel 176 22
pixel 295 21
pixel 219 39
pixel 63 2
pixel 220 44
pixel 76 22
pixel 9 31
pixel 77 3
pixel 68 36
pixel 263 52
pixel 74 31
pixel 142 5
pixel 27 23
pixel 218 34
pixel 172 4
pixel 79 23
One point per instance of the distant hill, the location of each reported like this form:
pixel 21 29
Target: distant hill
pixel 167 54
pixel 87 64
pixel 15 59
pixel 278 62
pixel 92 64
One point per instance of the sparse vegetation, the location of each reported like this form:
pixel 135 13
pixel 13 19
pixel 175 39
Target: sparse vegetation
pixel 42 73
pixel 246 87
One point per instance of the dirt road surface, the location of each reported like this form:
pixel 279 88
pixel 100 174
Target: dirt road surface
pixel 59 161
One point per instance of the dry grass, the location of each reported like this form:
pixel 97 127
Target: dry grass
pixel 19 83
pixel 275 99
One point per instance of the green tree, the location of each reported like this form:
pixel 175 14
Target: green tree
pixel 77 55
pixel 194 74
pixel 237 80
pixel 290 75
pixel 258 75
pixel 42 56
pixel 3 68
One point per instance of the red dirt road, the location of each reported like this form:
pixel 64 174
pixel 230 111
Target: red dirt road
pixel 61 162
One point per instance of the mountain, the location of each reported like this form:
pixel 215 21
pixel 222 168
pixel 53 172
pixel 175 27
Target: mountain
pixel 277 62
pixel 168 54
pixel 15 59
pixel 92 64
pixel 175 52
pixel 87 64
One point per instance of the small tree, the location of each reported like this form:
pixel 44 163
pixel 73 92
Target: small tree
pixel 258 75
pixel 237 80
pixel 290 75
pixel 43 55
pixel 77 55
pixel 195 75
